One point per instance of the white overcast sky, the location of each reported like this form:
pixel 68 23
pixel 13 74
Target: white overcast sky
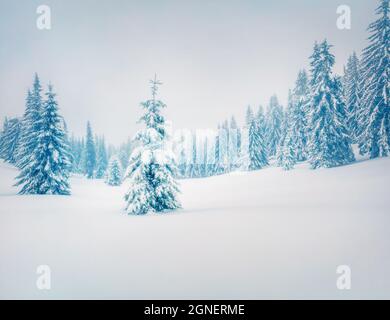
pixel 214 57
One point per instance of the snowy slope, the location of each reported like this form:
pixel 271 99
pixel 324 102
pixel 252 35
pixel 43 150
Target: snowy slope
pixel 265 234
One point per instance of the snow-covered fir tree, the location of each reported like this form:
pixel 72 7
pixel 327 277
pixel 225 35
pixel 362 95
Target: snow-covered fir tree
pixel 49 167
pixel 182 157
pixel 283 131
pixel 226 146
pixel 90 154
pixel 102 161
pixel 235 143
pixel 205 170
pixel 329 143
pixel 234 126
pixel 83 157
pixel 76 147
pixel 274 120
pixel 260 117
pixel 211 153
pixel 257 143
pixel 152 169
pixel 219 166
pixel 249 116
pixel 25 125
pixel 352 92
pixel 30 122
pixel 224 141
pixel 287 153
pixel 298 124
pixel 10 139
pixel 262 126
pixel 374 119
pixel 193 165
pixel 67 143
pixel 114 172
pixel 287 157
pixel 293 142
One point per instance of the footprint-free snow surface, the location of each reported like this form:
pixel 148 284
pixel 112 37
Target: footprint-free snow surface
pixel 265 234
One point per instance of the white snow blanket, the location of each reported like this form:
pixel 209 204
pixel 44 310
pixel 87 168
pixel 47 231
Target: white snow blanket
pixel 265 234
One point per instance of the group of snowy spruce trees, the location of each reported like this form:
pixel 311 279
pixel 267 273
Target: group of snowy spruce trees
pixel 325 116
pixel 90 158
pixel 37 144
pixel 339 112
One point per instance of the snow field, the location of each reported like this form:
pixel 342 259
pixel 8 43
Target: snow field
pixel 265 234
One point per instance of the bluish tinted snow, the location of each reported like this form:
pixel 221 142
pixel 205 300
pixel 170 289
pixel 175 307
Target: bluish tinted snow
pixel 265 234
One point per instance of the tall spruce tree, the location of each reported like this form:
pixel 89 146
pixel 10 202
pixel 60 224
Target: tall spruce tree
pixel 234 144
pixel 30 122
pixel 182 157
pixel 25 125
pixel 374 118
pixel 287 153
pixel 262 127
pixel 249 116
pixel 219 166
pixel 76 147
pixel 152 168
pixel 235 133
pixel 83 158
pixel 102 161
pixel 226 143
pixel 329 143
pixel 286 122
pixel 274 120
pixel 90 154
pixel 49 167
pixel 299 116
pixel 352 92
pixel 257 144
pixel 193 166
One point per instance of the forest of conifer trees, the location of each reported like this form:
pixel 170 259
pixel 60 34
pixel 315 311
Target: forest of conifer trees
pixel 327 117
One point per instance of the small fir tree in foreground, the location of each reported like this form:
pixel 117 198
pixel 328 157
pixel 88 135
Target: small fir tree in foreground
pixel 152 170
